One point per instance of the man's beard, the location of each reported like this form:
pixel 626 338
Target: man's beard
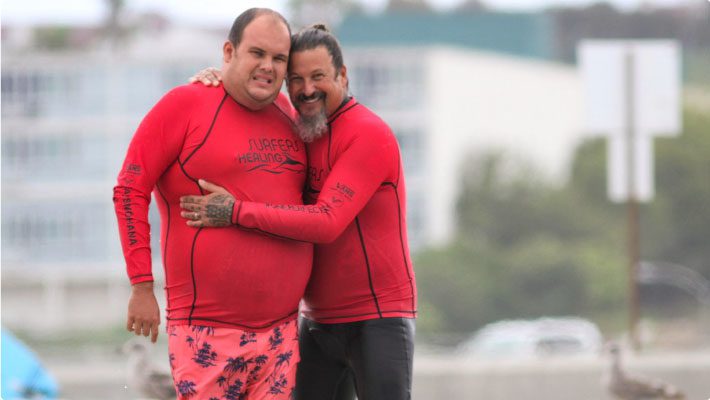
pixel 312 127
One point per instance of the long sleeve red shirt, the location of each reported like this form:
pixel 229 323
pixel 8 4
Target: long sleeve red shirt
pixel 362 268
pixel 220 276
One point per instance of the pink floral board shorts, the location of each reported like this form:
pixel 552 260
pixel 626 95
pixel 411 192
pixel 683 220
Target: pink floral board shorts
pixel 226 363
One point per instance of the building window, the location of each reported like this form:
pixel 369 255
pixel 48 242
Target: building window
pixel 387 86
pixel 34 232
pixel 411 145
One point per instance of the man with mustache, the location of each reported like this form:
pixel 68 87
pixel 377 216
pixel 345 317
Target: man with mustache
pixel 359 308
pixel 232 295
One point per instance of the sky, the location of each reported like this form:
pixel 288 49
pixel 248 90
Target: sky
pixel 208 12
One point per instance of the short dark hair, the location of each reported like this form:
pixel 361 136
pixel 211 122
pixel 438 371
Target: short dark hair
pixel 245 18
pixel 318 35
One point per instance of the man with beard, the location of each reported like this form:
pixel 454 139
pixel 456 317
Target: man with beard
pixel 232 295
pixel 359 308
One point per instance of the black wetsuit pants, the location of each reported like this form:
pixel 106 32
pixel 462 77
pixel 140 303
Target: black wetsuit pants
pixel 371 359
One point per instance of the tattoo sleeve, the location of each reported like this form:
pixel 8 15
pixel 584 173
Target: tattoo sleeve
pixel 219 210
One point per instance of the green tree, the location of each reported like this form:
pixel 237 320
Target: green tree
pixel 527 248
pixel 680 216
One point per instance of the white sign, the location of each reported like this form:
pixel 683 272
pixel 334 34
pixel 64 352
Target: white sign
pixel 602 67
pixel 632 93
pixel 617 168
pixel 655 71
pixel 657 88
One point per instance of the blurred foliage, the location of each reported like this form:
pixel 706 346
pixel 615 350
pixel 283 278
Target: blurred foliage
pixel 304 13
pixel 695 67
pixel 109 338
pixel 685 22
pixel 677 226
pixel 527 248
pixel 53 37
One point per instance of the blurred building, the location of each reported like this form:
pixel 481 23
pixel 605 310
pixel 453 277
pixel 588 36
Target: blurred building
pixel 67 118
pixel 455 85
pixel 519 34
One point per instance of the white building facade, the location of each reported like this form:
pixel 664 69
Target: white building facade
pixel 447 103
pixel 67 120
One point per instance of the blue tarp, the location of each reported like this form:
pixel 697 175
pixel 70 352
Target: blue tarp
pixel 23 377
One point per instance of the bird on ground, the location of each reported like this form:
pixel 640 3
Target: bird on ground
pixel 624 386
pixel 143 375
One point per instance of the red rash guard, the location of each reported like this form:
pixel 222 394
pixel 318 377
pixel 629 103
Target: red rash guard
pixel 362 269
pixel 225 277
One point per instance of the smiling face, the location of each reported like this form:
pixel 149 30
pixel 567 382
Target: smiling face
pixel 314 85
pixel 254 71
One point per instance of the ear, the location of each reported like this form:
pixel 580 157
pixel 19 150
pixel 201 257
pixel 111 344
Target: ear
pixel 227 51
pixel 344 75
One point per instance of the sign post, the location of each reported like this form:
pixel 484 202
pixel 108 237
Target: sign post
pixel 632 202
pixel 632 94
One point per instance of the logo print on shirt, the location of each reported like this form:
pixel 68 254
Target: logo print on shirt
pixel 272 156
pixel 345 190
pixel 314 174
pixel 336 201
pixel 133 169
pixel 288 164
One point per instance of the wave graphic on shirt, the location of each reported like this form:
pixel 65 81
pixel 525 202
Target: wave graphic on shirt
pixel 288 165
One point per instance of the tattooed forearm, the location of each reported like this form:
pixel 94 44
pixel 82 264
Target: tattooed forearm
pixel 219 210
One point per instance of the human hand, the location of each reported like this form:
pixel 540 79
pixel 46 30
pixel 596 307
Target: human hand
pixel 211 210
pixel 209 76
pixel 143 311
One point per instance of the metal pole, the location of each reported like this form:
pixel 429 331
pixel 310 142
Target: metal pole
pixel 632 203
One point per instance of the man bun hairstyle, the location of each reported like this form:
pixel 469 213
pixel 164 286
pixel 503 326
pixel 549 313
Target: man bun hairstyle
pixel 245 18
pixel 318 35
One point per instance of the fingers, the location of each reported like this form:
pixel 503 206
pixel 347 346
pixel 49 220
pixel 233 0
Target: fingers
pixel 190 199
pixel 141 329
pixel 191 215
pixel 211 187
pixel 214 75
pixel 208 82
pixel 144 327
pixel 135 326
pixel 154 335
pixel 209 76
pixel 194 219
pixel 190 207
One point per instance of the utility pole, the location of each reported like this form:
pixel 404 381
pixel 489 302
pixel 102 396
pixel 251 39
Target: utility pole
pixel 633 241
pixel 632 94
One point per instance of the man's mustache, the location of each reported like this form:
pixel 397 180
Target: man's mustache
pixel 314 96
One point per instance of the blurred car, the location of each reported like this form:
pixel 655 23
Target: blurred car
pixel 560 336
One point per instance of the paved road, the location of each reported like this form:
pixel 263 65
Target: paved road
pixel 101 375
